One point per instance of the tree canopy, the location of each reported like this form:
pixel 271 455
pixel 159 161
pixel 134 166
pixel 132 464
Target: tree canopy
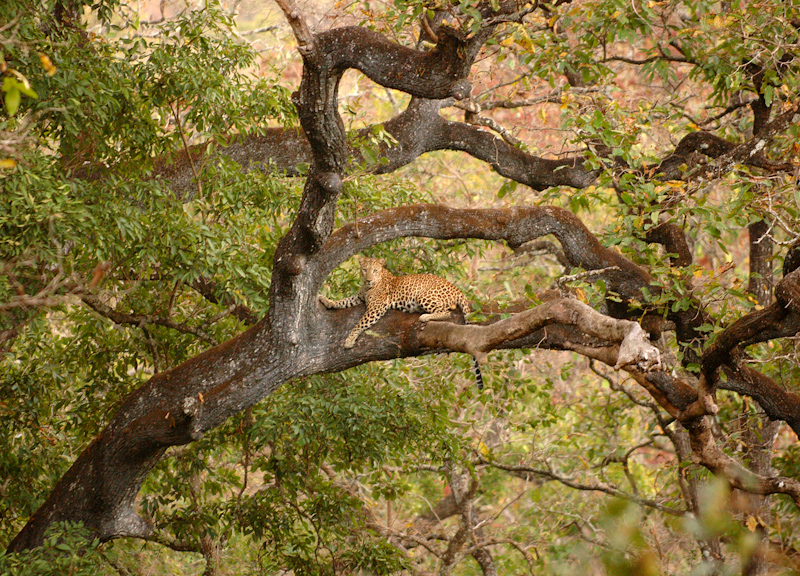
pixel 615 185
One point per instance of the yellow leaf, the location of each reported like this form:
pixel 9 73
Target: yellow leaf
pixel 47 64
pixel 752 523
pixel 7 163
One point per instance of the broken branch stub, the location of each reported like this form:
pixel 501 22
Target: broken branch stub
pixel 636 349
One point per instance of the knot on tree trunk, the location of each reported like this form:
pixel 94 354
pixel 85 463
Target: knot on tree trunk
pixel 124 523
pixel 193 408
pixel 330 182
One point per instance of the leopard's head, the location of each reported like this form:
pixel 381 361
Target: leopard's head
pixel 372 270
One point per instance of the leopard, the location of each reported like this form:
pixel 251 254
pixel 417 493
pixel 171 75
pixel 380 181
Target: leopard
pixel 381 291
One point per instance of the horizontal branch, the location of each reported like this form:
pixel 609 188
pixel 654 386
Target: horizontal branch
pixel 586 487
pixel 420 130
pixel 554 97
pixel 477 340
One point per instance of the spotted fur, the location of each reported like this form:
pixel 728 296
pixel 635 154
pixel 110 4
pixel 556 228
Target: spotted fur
pixel 382 290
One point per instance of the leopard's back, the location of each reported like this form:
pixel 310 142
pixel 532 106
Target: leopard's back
pixel 425 293
pixel 432 295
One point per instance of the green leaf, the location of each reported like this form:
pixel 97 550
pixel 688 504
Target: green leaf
pixel 768 94
pixel 13 98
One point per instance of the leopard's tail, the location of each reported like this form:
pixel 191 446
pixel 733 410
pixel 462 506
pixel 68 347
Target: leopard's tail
pixel 476 369
pixel 466 308
pixel 465 305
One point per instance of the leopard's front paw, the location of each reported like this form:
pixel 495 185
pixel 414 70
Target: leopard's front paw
pixel 351 341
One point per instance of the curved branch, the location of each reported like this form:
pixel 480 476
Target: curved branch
pixel 437 74
pixel 513 225
pixel 777 402
pixel 680 400
pixel 513 162
pixel 546 247
pixel 673 238
pixel 781 318
pixel 708 453
pixel 419 130
pixel 726 153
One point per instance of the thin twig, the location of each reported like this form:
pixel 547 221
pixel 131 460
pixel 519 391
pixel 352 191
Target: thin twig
pixel 188 154
pixel 582 275
pixel 259 30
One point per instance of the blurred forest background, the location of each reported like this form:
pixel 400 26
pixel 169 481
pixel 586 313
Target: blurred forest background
pixel 561 464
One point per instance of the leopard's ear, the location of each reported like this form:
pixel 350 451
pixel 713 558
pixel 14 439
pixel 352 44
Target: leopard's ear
pixel 381 261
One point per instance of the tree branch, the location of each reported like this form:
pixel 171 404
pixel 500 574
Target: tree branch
pixel 142 319
pixel 634 349
pixel 572 483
